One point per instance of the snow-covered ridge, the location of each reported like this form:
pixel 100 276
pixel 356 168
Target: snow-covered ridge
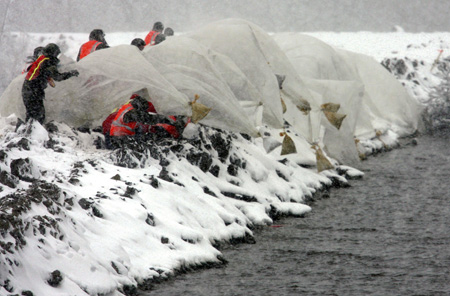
pixel 80 220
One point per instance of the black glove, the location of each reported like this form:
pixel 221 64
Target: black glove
pixel 74 73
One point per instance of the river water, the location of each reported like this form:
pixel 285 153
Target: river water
pixel 388 234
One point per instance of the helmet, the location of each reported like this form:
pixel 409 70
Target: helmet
pixel 38 51
pixel 97 34
pixel 52 50
pixel 168 31
pixel 139 43
pixel 160 38
pixel 158 26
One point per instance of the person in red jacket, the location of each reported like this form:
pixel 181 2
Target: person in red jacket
pixel 158 27
pixel 96 41
pixel 138 117
pixel 42 72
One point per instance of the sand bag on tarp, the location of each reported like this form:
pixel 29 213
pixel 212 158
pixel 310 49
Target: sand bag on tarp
pixel 199 111
pixel 335 118
pixel 322 161
pixel 288 145
pixel 283 105
pixel 330 107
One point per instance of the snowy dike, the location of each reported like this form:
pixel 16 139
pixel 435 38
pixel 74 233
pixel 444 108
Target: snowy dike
pixel 291 116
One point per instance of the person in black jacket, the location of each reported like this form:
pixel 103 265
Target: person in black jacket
pixel 43 71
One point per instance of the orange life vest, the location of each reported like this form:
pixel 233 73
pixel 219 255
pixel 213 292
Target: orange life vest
pixel 88 48
pixel 150 38
pixel 119 127
pixel 34 69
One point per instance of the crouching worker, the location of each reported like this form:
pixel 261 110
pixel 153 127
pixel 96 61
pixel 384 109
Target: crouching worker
pixel 40 73
pixel 138 119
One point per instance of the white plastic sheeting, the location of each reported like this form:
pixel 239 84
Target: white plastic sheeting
pixel 370 96
pixel 188 67
pixel 107 79
pixel 245 44
pixel 388 98
pixel 232 66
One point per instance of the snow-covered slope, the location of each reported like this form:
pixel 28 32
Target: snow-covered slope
pixel 77 219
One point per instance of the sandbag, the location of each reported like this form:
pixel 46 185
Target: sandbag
pixel 322 161
pixel 199 111
pixel 334 118
pixel 288 145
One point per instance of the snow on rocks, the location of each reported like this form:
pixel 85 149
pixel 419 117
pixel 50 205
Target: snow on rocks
pixel 96 221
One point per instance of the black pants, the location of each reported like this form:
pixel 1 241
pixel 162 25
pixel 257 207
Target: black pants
pixel 33 99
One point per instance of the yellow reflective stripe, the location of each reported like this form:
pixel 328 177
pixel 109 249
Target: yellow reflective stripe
pixel 39 65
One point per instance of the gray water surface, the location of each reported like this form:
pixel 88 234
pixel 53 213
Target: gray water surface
pixel 388 234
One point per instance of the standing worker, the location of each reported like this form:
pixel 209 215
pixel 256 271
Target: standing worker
pixel 96 41
pixel 158 27
pixel 42 72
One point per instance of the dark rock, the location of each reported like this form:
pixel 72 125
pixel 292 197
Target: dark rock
pixel 85 204
pixel 396 66
pixel 19 124
pixel 164 162
pixel 280 174
pixel 27 293
pixel 51 144
pixel 3 156
pixel 130 290
pixel 84 129
pixel 235 160
pixel 246 136
pixel 214 170
pixel 97 212
pixel 164 175
pixel 55 278
pixel 221 145
pixel 130 191
pixel 98 129
pixel 201 159
pixel 238 196
pixel 164 240
pixel 116 177
pixel 150 220
pixel 176 148
pixel 51 127
pixel 23 144
pixel 21 168
pixel 8 179
pixel 74 181
pixel 232 170
pixel 208 191
pixel 154 182
pixel 114 266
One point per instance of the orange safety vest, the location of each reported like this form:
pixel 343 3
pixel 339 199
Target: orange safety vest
pixel 34 69
pixel 119 127
pixel 89 47
pixel 150 38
